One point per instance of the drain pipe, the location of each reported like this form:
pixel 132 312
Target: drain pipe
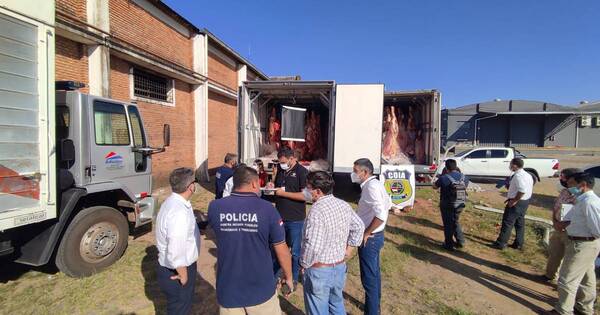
pixel 476 124
pixel 545 223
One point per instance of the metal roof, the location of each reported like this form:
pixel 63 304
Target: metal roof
pixel 523 107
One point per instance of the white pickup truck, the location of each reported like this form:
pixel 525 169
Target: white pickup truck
pixel 493 162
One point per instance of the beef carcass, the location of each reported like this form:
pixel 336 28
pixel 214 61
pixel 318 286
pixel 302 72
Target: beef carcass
pixel 391 147
pixel 274 129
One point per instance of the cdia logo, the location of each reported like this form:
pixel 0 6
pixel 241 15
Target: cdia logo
pixel 113 161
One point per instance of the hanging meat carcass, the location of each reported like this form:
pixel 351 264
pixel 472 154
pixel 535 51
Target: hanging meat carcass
pixel 314 143
pixel 391 147
pixel 274 129
pixel 402 134
pixel 420 148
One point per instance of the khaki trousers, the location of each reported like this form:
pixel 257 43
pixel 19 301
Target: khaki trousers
pixel 270 307
pixel 577 279
pixel 556 252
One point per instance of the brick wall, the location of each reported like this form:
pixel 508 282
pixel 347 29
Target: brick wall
pixel 74 8
pixel 180 118
pixel 222 72
pixel 137 27
pixel 222 128
pixel 71 61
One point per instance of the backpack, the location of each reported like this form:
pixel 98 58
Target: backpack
pixel 458 191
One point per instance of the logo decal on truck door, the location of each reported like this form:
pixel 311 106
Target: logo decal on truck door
pixel 113 161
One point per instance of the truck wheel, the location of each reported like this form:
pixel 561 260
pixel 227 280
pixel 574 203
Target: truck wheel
pixel 94 240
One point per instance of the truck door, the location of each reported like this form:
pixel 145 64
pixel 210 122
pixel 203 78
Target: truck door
pixel 475 163
pixel 358 125
pixel 249 133
pixel 498 162
pixel 116 130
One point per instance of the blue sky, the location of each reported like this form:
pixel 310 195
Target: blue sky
pixel 471 51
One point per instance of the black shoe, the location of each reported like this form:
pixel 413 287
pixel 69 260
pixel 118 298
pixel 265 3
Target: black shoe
pixel 515 246
pixel 497 245
pixel 459 245
pixel 448 248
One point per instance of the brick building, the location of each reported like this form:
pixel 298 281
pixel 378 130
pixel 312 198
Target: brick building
pixel 142 51
pixel 226 71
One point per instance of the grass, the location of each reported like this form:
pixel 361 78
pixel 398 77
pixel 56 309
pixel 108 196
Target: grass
pixel 130 286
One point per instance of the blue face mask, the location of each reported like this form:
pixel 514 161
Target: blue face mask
pixel 575 191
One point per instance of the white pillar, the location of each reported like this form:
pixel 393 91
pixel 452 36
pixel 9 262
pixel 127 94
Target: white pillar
pixel 200 58
pixel 242 74
pixel 99 70
pixel 98 55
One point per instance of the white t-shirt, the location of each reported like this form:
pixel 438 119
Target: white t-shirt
pixel 228 187
pixel 521 182
pixel 374 203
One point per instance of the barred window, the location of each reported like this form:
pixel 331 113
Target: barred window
pixel 151 86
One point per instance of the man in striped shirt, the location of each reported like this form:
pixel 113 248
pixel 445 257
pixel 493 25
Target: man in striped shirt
pixel 331 230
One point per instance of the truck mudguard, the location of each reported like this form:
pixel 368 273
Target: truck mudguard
pixel 38 250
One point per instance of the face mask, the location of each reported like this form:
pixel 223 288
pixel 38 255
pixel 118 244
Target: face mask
pixel 255 167
pixel 307 194
pixel 563 183
pixel 284 166
pixel 575 191
pixel 355 178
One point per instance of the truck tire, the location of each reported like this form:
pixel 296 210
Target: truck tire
pixel 94 240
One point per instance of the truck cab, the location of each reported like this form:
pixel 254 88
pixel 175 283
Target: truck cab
pixel 103 183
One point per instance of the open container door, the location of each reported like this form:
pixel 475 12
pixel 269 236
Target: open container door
pixel 358 127
pixel 250 138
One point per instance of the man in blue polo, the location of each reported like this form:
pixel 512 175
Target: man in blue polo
pixel 224 172
pixel 246 227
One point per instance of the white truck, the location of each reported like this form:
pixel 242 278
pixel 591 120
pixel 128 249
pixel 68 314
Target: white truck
pixel 75 169
pixel 351 119
pixel 493 162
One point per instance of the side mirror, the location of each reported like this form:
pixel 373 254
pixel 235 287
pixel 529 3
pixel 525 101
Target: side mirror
pixel 67 151
pixel 166 135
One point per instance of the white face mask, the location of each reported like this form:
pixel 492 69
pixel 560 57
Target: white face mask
pixel 284 166
pixel 355 178
pixel 307 194
pixel 255 167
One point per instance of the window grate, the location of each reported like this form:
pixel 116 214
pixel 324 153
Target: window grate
pixel 150 86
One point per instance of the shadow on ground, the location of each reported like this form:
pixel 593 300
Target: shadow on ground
pixel 422 252
pixel 205 296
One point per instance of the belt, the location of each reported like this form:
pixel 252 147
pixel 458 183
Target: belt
pixel 322 265
pixel 582 238
pixel 377 233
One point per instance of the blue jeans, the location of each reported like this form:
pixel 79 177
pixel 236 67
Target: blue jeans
pixel 452 228
pixel 323 290
pixel 293 239
pixel 370 273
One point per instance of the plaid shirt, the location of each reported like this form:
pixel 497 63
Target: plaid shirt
pixel 330 226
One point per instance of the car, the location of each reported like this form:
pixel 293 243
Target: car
pixel 493 163
pixel 595 171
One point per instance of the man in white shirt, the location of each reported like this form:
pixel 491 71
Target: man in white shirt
pixel 373 209
pixel 519 193
pixel 178 240
pixel 577 279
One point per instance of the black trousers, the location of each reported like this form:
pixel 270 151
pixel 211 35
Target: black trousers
pixel 179 298
pixel 513 216
pixel 453 233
